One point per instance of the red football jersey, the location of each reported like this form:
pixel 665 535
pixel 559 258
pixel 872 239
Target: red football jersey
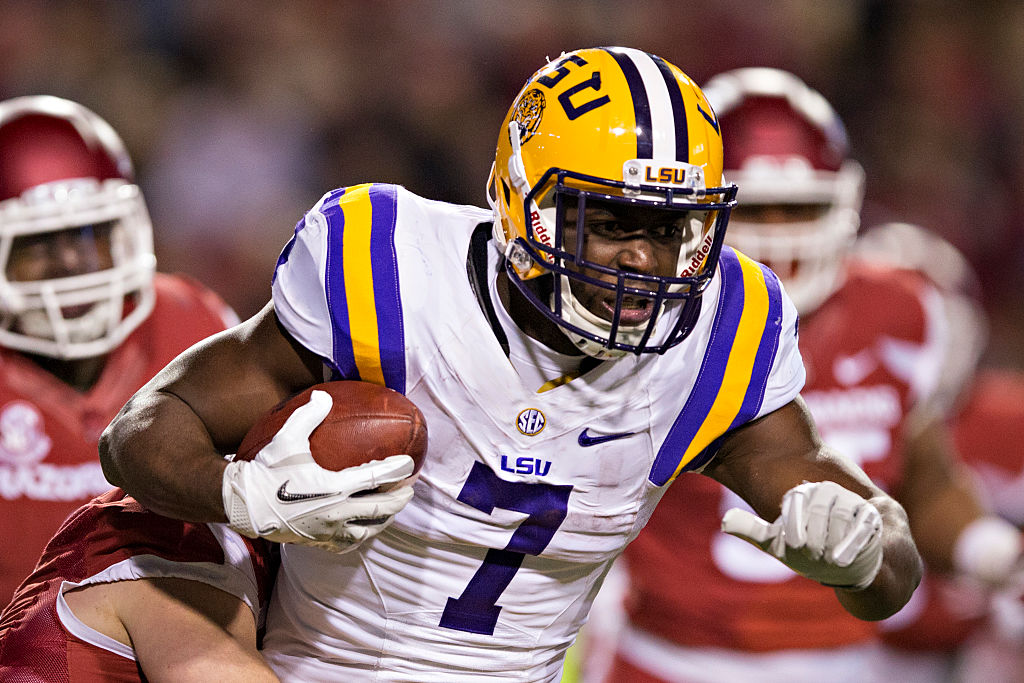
pixel 49 431
pixel 870 354
pixel 109 539
pixel 987 431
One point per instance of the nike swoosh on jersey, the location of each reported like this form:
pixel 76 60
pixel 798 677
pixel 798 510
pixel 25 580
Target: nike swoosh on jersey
pixel 586 439
pixel 285 497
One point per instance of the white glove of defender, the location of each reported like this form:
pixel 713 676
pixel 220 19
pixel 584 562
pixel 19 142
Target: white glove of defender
pixel 825 532
pixel 284 496
pixel 1008 610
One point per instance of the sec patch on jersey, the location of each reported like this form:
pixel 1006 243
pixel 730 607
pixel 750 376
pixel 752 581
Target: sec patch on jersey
pixel 367 422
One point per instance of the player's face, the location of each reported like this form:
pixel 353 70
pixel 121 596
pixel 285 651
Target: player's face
pixel 52 255
pixel 634 239
pixel 797 221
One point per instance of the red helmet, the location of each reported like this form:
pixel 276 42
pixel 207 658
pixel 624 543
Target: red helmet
pixel 66 178
pixel 799 195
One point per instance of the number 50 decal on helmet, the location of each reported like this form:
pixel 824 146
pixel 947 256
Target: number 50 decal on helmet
pixel 624 128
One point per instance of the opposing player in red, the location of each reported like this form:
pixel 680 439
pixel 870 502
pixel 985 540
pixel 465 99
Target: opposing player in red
pixel 705 606
pixel 991 419
pixel 84 321
pixel 960 627
pixel 122 595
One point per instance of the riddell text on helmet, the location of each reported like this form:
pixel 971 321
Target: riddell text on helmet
pixel 538 228
pixel 698 258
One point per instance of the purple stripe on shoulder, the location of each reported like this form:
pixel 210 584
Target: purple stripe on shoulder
pixel 711 374
pixel 344 360
pixel 287 251
pixel 766 350
pixel 386 293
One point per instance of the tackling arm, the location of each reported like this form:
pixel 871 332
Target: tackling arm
pixel 769 462
pixel 954 531
pixel 214 633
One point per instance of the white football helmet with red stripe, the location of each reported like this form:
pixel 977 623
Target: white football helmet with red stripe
pixel 76 244
pixel 799 194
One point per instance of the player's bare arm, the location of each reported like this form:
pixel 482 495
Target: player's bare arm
pixel 769 457
pixel 166 446
pixel 953 529
pixel 938 498
pixel 214 632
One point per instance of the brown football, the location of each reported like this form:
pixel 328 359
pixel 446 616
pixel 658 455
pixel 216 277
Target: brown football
pixel 367 422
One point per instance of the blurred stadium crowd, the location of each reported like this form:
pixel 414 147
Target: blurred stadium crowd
pixel 241 114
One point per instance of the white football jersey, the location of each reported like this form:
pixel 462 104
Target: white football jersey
pixel 524 498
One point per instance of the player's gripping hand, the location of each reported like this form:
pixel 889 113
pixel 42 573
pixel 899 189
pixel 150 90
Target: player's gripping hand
pixel 825 532
pixel 284 496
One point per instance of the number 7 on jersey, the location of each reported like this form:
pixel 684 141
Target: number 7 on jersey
pixel 476 610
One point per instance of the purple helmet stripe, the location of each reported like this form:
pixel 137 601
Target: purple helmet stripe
pixel 675 96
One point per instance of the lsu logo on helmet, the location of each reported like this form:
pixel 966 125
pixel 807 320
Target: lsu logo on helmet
pixel 528 112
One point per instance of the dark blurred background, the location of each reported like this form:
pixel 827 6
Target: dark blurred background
pixel 240 114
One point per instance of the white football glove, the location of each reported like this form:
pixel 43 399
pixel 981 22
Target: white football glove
pixel 1008 610
pixel 284 496
pixel 825 532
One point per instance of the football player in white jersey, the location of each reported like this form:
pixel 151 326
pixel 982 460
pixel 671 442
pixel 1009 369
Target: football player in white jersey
pixel 573 351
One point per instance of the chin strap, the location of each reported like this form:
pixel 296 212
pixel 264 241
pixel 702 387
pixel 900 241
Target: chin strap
pixel 516 167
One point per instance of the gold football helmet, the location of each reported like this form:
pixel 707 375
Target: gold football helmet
pixel 620 126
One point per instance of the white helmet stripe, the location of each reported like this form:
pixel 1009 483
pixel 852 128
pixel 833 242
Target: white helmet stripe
pixel 659 103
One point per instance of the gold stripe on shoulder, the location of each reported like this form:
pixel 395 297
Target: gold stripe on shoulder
pixel 740 366
pixel 359 294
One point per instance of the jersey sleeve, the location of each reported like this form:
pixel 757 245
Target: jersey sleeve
pixel 787 375
pixel 110 539
pixel 336 289
pixel 751 366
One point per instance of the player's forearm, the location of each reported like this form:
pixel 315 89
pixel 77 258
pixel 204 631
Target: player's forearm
pixel 899 574
pixel 158 450
pixel 937 521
